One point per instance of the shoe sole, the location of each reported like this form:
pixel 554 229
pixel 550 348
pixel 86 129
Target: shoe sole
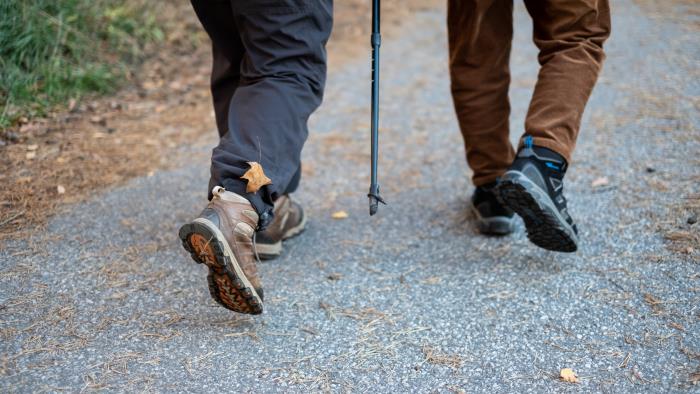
pixel 272 251
pixel 545 226
pixel 497 225
pixel 228 285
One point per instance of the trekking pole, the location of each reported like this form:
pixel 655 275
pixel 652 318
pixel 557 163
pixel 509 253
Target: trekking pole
pixel 374 198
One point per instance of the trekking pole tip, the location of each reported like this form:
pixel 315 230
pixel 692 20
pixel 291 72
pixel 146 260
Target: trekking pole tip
pixel 374 200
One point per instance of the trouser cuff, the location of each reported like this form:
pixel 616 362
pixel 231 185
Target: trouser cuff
pixel 486 179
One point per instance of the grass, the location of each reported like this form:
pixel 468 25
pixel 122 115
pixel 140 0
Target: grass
pixel 55 50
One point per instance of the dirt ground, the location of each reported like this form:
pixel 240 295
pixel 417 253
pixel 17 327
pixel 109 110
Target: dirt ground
pixel 98 142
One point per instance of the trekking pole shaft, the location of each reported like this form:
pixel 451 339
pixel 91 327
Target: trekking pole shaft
pixel 376 40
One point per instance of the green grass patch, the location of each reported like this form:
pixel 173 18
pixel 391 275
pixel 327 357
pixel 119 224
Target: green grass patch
pixel 54 50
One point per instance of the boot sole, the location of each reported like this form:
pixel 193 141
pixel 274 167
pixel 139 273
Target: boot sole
pixel 228 285
pixel 272 251
pixel 497 225
pixel 545 226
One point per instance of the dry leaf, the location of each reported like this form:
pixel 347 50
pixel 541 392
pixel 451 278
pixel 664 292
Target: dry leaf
pixel 335 276
pixel 100 120
pixel 433 280
pixel 256 177
pixel 339 215
pixel 30 155
pixel 602 181
pixel 568 375
pixel 695 377
pixel 32 147
pixel 60 189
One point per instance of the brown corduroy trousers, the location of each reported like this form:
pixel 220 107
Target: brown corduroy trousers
pixel 569 35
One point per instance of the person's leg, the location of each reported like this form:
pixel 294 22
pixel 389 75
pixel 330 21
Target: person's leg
pixel 282 79
pixel 271 91
pixel 216 17
pixel 570 36
pixel 480 34
pixel 221 236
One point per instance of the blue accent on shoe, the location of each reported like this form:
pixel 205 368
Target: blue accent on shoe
pixel 551 165
pixel 528 141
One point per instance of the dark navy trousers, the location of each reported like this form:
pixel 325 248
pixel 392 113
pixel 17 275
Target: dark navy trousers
pixel 268 76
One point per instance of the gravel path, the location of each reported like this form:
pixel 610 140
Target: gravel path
pixel 412 299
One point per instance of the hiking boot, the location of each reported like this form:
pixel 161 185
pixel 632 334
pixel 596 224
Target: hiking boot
pixel 533 187
pixel 492 217
pixel 222 239
pixel 289 221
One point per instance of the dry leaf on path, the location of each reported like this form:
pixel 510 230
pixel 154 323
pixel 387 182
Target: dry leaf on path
pixel 60 189
pixel 568 375
pixel 602 181
pixel 695 377
pixel 339 215
pixel 256 177
pixel 433 280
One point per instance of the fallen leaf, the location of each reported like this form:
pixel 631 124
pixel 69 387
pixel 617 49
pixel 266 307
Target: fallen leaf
pixel 98 120
pixel 29 128
pixel 256 177
pixel 309 330
pixel 30 155
pixel 695 377
pixel 60 189
pixel 677 326
pixel 32 147
pixel 655 303
pixel 679 236
pixel 335 276
pixel 568 375
pixel 433 280
pixel 340 215
pixel 602 181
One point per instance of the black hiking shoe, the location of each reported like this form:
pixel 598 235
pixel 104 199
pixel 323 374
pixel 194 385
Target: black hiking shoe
pixel 533 187
pixel 492 217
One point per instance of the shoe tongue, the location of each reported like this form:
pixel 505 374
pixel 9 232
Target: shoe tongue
pixel 221 193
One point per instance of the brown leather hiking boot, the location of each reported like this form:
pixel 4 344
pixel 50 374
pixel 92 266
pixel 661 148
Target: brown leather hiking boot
pixel 289 220
pixel 222 239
